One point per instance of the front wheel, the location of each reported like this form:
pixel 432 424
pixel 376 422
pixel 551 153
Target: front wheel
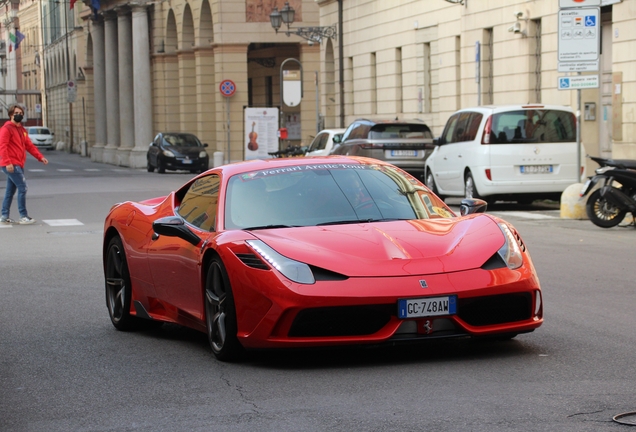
pixel 149 167
pixel 430 183
pixel 220 314
pixel 603 213
pixel 118 287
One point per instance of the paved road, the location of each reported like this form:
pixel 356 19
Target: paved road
pixel 64 368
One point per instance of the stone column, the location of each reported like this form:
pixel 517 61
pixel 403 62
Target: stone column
pixel 142 87
pixel 310 59
pixel 99 91
pixel 126 99
pixel 112 89
pixel 205 96
pixel 231 63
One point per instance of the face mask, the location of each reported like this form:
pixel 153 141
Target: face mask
pixel 17 118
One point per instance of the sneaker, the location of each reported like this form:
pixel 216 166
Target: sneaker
pixel 6 220
pixel 26 220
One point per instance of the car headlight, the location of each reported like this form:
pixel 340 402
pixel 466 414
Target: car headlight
pixel 510 252
pixel 202 154
pixel 168 153
pixel 291 269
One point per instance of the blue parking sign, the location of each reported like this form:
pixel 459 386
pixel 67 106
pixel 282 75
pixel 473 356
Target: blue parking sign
pixel 590 21
pixel 564 83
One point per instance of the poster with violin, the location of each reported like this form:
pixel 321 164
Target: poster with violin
pixel 261 127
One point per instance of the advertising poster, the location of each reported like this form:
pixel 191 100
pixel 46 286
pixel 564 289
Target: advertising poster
pixel 261 132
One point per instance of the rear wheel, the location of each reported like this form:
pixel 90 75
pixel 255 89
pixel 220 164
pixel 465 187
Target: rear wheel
pixel 470 190
pixel 220 314
pixel 118 287
pixel 603 213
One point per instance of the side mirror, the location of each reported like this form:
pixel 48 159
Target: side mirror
pixel 437 141
pixel 472 205
pixel 52 133
pixel 174 226
pixel 337 139
pixel 205 145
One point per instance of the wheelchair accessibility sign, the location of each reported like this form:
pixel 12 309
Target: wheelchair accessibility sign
pixel 578 82
pixel 579 35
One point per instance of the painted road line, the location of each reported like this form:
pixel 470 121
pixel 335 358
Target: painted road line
pixel 62 222
pixel 92 169
pixel 36 170
pixel 65 170
pixel 527 215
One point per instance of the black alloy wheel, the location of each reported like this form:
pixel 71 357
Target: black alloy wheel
pixel 603 213
pixel 220 314
pixel 118 287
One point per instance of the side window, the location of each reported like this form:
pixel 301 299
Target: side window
pixel 349 131
pixel 461 130
pixel 157 139
pixel 322 143
pixel 473 126
pixel 200 202
pixel 449 130
pixel 314 144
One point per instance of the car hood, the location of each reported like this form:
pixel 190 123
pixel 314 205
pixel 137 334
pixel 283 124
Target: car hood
pixel 399 248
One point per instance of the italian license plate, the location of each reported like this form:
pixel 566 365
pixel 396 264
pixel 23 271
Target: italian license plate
pixel 187 161
pixel 536 169
pixel 427 306
pixel 411 153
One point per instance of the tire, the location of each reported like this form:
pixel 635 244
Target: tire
pixel 160 168
pixel 118 288
pixel 430 182
pixel 601 212
pixel 150 167
pixel 470 190
pixel 220 314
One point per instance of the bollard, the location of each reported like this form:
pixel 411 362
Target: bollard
pixel 572 204
pixel 217 159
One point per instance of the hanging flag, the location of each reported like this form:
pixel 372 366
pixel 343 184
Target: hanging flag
pixel 19 38
pixel 12 37
pixel 72 4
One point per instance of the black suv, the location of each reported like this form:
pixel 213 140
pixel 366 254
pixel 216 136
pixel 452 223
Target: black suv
pixel 403 143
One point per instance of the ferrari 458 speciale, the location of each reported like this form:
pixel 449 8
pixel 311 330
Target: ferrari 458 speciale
pixel 311 252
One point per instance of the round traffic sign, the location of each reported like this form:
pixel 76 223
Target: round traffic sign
pixel 227 88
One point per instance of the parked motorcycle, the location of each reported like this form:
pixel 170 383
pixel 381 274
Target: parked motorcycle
pixel 616 196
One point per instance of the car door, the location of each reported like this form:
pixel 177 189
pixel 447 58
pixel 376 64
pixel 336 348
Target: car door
pixel 153 150
pixel 175 264
pixel 459 151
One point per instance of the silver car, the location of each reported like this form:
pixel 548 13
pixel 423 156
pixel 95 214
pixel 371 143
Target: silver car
pixel 403 143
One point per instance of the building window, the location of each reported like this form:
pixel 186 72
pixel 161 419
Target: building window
pixel 487 67
pixel 398 81
pixel 536 59
pixel 374 84
pixel 269 92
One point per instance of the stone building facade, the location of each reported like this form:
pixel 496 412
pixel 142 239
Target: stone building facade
pixel 145 67
pixel 417 59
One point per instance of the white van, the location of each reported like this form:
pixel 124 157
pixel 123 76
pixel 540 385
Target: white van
pixel 513 152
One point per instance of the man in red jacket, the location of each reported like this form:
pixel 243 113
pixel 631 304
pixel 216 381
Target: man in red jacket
pixel 14 143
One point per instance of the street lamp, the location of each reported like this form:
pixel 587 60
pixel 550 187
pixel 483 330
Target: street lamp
pixel 313 34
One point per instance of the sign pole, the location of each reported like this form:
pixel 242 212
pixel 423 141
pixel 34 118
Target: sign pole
pixel 227 89
pixel 227 104
pixel 578 134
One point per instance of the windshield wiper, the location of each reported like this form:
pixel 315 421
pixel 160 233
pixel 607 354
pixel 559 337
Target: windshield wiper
pixel 269 227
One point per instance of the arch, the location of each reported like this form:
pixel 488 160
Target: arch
pixel 187 29
pixel 170 44
pixel 206 28
pixel 89 50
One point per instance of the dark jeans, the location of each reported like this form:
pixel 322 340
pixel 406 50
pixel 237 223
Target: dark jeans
pixel 15 181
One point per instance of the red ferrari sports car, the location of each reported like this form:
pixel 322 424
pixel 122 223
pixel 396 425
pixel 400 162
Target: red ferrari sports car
pixel 325 251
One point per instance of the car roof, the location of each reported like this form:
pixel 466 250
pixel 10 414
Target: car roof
pixel 513 107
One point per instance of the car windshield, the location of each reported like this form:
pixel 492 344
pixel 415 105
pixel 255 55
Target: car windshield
pixel 38 131
pixel 323 194
pixel 181 140
pixel 533 126
pixel 413 131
